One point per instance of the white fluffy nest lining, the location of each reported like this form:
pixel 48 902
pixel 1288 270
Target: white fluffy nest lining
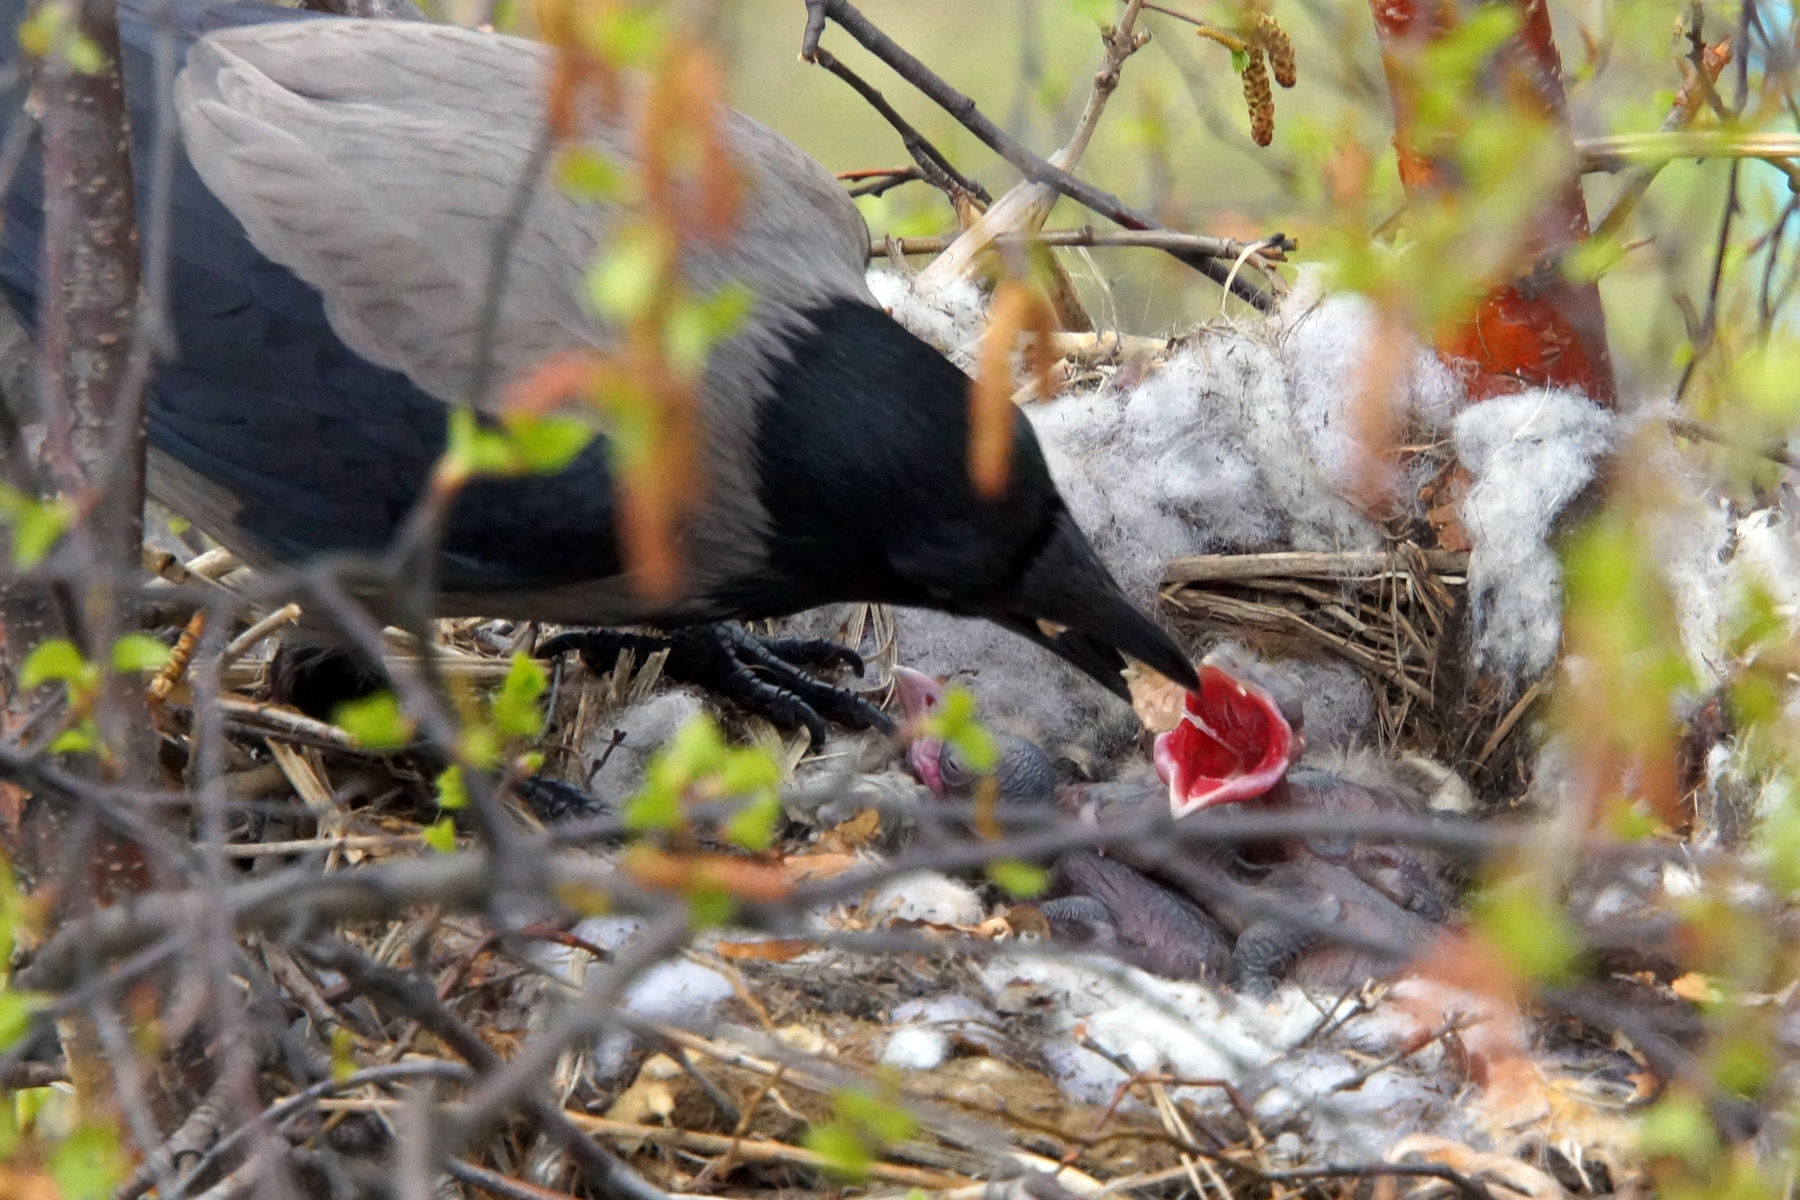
pixel 1245 439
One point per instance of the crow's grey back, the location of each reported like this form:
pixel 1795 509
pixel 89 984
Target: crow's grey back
pixel 375 158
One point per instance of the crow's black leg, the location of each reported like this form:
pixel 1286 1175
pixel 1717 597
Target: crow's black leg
pixel 760 675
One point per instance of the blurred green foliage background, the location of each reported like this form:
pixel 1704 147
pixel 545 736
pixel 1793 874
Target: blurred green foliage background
pixel 1175 140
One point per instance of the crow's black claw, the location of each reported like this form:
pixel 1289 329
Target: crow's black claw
pixel 552 801
pixel 818 653
pixel 761 675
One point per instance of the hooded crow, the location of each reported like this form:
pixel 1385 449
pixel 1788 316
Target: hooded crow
pixel 336 193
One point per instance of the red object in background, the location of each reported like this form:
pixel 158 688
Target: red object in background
pixel 1542 328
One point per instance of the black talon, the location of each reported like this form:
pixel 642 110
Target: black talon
pixel 552 801
pixel 818 653
pixel 760 675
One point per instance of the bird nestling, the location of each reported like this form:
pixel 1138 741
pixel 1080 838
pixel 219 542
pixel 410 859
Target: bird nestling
pixel 335 195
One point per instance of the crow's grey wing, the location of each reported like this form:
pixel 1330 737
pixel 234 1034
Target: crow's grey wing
pixel 376 159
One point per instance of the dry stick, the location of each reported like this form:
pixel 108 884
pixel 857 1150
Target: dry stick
pixel 1773 451
pixel 1623 149
pixel 1636 182
pixel 244 642
pixel 1454 1025
pixel 932 165
pixel 876 183
pixel 706 1143
pixel 277 1113
pixel 1087 235
pixel 463 881
pixel 373 841
pixel 1121 43
pixel 1030 165
pixel 1511 719
pixel 496 1184
pixel 417 998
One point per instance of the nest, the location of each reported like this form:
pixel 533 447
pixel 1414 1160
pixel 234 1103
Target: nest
pixel 1396 616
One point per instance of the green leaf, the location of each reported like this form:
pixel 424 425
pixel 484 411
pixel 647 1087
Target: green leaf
pixel 452 789
pixel 79 738
pixel 135 653
pixel 56 659
pixel 625 35
pixel 957 723
pixel 516 709
pixel 1678 1126
pixel 38 31
pixel 1741 1064
pixel 89 1163
pixel 343 1054
pixel 753 825
pixel 478 745
pixel 842 1150
pixel 696 326
pixel 746 769
pixel 545 445
pixel 882 1121
pixel 375 721
pixel 696 750
pixel 1534 936
pixel 83 56
pixel 16 1012
pixel 624 281
pixel 475 448
pixel 587 174
pixel 36 524
pixel 709 907
pixel 441 836
pixel 1240 61
pixel 1020 879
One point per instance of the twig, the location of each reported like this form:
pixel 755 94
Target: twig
pixel 276 1114
pixel 1472 1189
pixel 275 720
pixel 1775 452
pixel 1454 1025
pixel 936 169
pixel 244 642
pixel 1619 150
pixel 417 998
pixel 325 845
pixel 704 1143
pixel 1512 718
pixel 1030 165
pixel 880 181
pixel 496 1184
pixel 1273 248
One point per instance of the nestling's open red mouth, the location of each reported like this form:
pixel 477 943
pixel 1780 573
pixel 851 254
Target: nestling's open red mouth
pixel 1232 744
pixel 920 696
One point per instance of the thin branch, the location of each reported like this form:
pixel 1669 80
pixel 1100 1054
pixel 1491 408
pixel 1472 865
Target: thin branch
pixel 1617 151
pixel 1034 168
pixel 934 167
pixel 417 999
pixel 1272 249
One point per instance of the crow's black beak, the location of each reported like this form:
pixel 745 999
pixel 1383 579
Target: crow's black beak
pixel 1067 602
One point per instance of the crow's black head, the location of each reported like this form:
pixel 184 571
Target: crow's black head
pixel 862 464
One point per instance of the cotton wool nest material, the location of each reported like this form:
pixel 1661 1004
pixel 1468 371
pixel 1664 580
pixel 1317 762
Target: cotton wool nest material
pixel 1191 1031
pixel 1529 455
pixel 1245 440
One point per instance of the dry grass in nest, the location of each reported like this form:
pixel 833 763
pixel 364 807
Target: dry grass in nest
pixel 1396 616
